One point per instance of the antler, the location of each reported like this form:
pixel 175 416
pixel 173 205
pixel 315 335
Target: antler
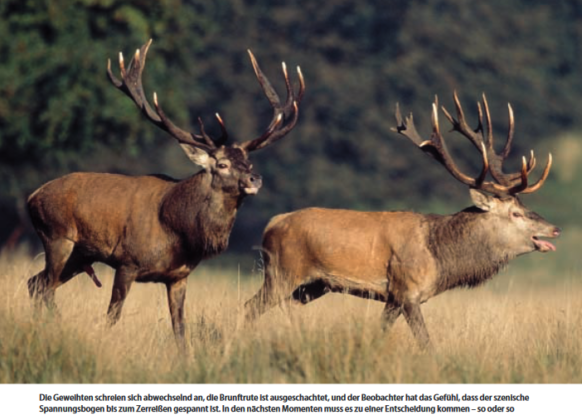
pixel 131 85
pixel 284 115
pixel 505 184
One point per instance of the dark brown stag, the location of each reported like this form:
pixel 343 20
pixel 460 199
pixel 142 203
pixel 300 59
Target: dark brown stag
pixel 151 228
pixel 405 258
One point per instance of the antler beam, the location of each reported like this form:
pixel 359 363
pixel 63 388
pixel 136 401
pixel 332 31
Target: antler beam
pixel 131 85
pixel 285 115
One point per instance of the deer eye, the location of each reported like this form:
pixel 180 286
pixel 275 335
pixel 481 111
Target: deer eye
pixel 222 166
pixel 516 214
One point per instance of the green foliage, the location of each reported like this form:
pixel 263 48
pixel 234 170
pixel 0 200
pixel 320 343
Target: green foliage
pixel 58 112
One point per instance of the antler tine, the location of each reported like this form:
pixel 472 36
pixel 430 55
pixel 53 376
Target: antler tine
pixel 407 128
pixel 510 131
pixel 542 179
pixel 290 99
pixel 523 177
pixel 479 128
pixel 462 127
pixel 476 136
pixel 301 84
pixel 460 124
pixel 285 116
pixel 513 181
pixel 224 134
pixel 437 141
pixel 488 122
pixel 261 141
pixel 268 89
pixel 449 116
pixel 131 85
pixel 434 118
pixel 204 136
pixel 532 162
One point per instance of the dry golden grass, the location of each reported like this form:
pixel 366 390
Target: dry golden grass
pixel 518 328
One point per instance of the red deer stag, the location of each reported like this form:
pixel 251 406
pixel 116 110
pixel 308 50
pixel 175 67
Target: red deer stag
pixel 151 228
pixel 405 258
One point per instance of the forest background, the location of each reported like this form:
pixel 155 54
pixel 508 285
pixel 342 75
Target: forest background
pixel 59 113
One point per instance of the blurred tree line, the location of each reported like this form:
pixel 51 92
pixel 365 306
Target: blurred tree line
pixel 59 113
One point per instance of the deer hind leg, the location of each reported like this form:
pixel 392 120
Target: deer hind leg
pixel 269 296
pixel 308 292
pixel 38 289
pixel 176 298
pixel 122 281
pixel 277 287
pixel 42 286
pixel 262 301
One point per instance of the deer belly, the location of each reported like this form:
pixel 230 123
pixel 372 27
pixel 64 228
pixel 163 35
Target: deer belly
pixel 164 276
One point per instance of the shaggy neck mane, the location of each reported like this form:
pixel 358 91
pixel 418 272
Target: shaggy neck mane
pixel 201 217
pixel 464 249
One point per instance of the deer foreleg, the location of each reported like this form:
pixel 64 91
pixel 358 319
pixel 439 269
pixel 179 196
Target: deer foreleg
pixel 391 312
pixel 415 320
pixel 121 284
pixel 176 298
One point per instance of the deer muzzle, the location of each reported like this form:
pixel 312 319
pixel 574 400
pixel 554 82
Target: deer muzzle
pixel 545 246
pixel 251 184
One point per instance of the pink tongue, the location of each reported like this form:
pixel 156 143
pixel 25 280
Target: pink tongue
pixel 545 246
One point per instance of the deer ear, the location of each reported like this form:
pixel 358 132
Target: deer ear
pixel 481 200
pixel 196 155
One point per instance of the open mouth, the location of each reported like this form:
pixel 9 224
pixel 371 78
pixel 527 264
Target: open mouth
pixel 543 246
pixel 251 190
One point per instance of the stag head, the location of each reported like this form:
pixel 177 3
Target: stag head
pixel 519 228
pixel 228 165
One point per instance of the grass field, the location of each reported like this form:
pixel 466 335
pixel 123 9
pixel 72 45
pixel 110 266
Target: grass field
pixel 523 326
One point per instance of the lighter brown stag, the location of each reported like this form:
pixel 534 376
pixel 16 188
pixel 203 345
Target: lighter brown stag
pixel 405 258
pixel 152 228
